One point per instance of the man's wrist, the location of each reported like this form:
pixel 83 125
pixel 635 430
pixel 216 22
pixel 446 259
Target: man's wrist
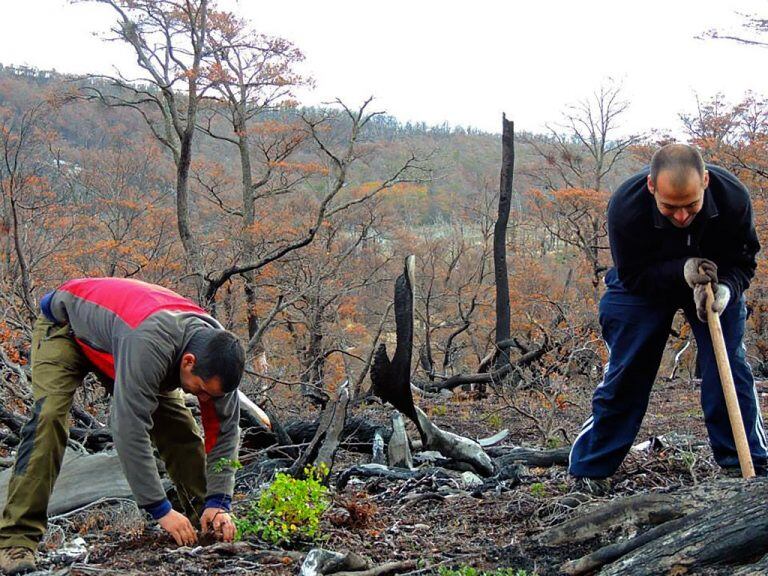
pixel 158 509
pixel 221 501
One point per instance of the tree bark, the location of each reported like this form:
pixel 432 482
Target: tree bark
pixel 249 219
pixel 723 522
pixel 734 531
pixel 322 448
pixel 500 238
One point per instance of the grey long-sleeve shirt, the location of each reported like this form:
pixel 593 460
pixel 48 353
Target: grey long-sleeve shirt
pixel 136 333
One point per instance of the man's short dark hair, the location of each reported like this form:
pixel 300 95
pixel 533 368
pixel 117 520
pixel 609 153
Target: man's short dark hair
pixel 680 160
pixel 217 353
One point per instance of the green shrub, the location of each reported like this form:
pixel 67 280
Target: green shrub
pixel 289 510
pixel 494 420
pixel 439 410
pixel 553 442
pixel 538 490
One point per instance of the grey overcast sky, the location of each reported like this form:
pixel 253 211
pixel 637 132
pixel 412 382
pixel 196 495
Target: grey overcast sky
pixel 458 62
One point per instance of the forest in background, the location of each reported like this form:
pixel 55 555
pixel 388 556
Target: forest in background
pixel 302 266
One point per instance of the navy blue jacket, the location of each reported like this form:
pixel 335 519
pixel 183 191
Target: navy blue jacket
pixel 649 252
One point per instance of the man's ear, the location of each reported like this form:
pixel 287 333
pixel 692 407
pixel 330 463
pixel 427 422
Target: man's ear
pixel 649 183
pixel 188 360
pixel 706 178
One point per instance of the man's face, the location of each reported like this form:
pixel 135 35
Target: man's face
pixel 193 384
pixel 679 203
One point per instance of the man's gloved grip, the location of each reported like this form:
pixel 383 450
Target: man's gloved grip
pixel 697 271
pixel 722 296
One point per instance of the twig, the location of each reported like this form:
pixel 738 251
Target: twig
pixel 388 568
pixel 78 567
pixel 91 505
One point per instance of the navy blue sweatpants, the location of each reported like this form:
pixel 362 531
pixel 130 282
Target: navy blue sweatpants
pixel 635 329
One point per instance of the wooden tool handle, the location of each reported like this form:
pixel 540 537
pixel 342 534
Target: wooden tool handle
pixel 729 390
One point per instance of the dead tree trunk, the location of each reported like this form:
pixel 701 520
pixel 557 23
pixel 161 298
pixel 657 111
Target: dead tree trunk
pixel 500 239
pixel 322 448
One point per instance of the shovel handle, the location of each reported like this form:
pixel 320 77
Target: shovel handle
pixel 729 390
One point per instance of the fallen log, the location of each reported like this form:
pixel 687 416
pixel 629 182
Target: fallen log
pixel 608 554
pixel 733 531
pixel 493 440
pixel 251 476
pixel 503 456
pixel 454 446
pixel 357 436
pixel 85 419
pixel 379 471
pixel 722 522
pixel 12 421
pixel 360 432
pixel 253 410
pixel 626 513
pixel 96 437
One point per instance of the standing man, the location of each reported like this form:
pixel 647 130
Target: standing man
pixel 154 344
pixel 673 229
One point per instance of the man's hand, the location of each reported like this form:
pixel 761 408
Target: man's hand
pixel 218 520
pixel 179 526
pixel 722 296
pixel 698 271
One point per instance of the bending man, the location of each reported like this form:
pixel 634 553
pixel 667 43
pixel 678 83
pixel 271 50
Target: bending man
pixel 154 344
pixel 673 229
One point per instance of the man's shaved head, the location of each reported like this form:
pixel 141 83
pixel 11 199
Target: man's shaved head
pixel 680 161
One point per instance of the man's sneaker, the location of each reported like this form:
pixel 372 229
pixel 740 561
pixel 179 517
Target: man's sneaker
pixel 17 560
pixel 591 486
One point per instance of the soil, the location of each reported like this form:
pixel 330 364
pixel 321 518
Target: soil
pixel 488 530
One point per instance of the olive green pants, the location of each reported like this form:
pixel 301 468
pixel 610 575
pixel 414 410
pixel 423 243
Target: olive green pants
pixel 58 368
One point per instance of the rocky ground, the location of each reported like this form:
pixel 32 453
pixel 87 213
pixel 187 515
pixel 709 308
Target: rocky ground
pixel 394 521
